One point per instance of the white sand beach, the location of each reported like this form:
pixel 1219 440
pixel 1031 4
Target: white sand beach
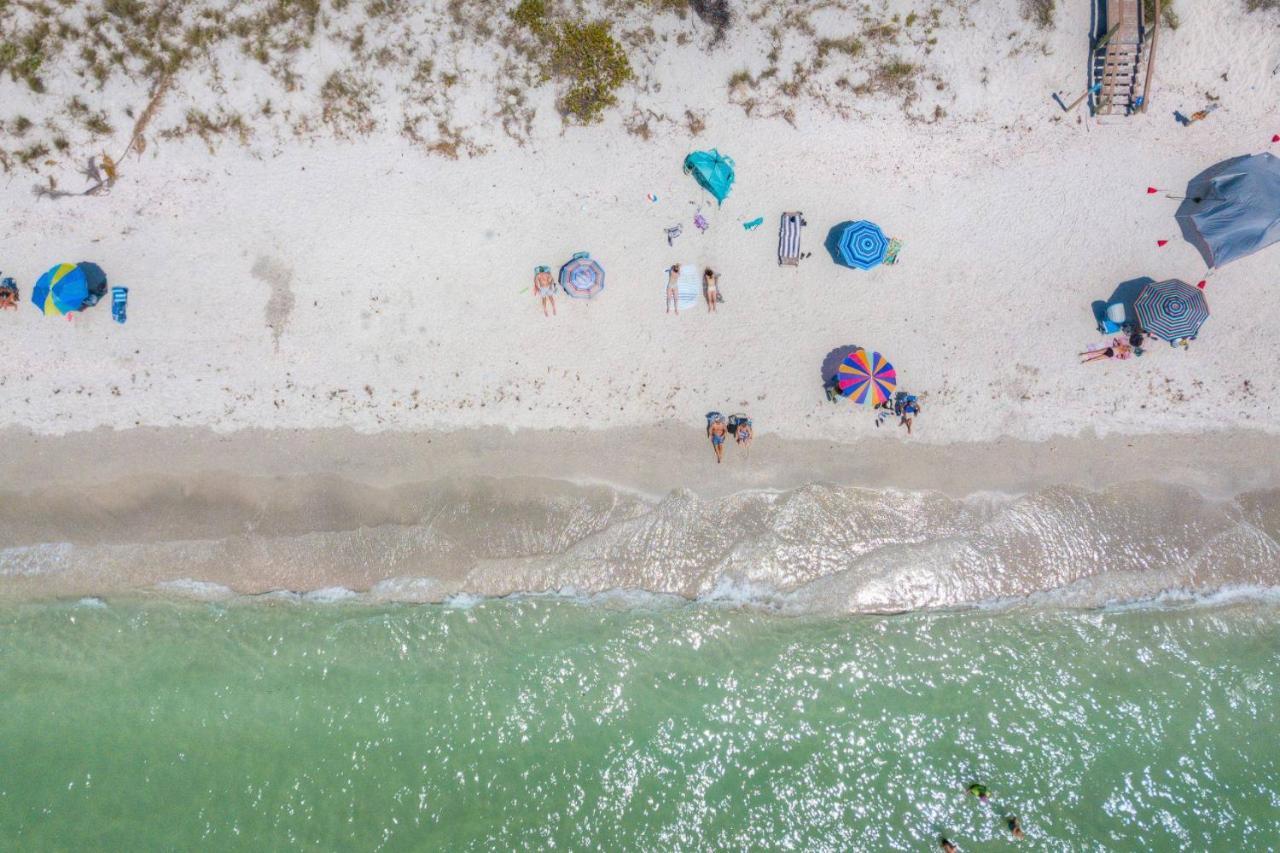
pixel 293 275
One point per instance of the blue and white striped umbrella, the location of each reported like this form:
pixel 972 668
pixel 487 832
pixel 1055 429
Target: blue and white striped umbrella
pixel 1171 310
pixel 862 244
pixel 582 278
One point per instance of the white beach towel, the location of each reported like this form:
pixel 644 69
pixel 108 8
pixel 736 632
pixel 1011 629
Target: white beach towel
pixel 688 286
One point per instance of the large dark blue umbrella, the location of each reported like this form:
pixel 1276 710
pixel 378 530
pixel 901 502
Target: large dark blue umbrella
pixel 861 245
pixel 1171 310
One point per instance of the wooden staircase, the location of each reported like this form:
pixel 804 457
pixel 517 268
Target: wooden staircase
pixel 1118 58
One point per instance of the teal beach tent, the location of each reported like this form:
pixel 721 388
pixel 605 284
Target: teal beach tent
pixel 712 170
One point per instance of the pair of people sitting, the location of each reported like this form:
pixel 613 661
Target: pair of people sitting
pixel 718 427
pixel 8 295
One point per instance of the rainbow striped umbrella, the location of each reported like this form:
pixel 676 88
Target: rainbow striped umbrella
pixel 582 277
pixel 867 377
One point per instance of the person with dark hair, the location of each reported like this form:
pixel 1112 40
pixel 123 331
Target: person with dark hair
pixel 1015 828
pixel 673 289
pixel 716 430
pixel 947 846
pixel 8 295
pixel 711 285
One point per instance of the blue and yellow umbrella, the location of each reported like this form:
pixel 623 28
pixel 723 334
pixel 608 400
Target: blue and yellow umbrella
pixel 61 290
pixel 866 377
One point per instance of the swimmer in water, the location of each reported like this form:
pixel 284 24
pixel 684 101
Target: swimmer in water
pixel 947 846
pixel 1015 827
pixel 980 791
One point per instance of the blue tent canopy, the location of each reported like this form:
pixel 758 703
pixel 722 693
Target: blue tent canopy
pixel 712 170
pixel 1232 209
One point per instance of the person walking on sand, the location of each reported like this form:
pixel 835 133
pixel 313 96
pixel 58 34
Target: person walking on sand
pixel 716 430
pixel 673 289
pixel 711 286
pixel 544 288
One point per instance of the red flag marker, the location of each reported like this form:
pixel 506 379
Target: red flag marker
pixel 1162 242
pixel 1152 190
pixel 1201 283
pixel 1276 138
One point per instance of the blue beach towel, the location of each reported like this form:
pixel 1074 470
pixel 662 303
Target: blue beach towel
pixel 119 300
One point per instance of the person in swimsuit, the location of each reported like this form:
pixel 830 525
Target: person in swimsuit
pixel 673 290
pixel 910 408
pixel 743 435
pixel 716 429
pixel 980 791
pixel 711 284
pixel 947 846
pixel 1118 349
pixel 544 288
pixel 1015 827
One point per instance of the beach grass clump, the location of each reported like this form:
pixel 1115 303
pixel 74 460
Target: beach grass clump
pixel 210 128
pixel 1262 5
pixel 1039 12
pixel 895 76
pixel 347 103
pixel 1167 13
pixel 534 16
pixel 591 64
pixel 850 46
pixel 715 14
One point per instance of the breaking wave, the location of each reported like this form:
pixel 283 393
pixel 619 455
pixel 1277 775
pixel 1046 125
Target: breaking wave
pixel 820 548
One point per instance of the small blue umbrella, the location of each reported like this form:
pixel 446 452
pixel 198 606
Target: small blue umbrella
pixel 582 277
pixel 1171 310
pixel 861 245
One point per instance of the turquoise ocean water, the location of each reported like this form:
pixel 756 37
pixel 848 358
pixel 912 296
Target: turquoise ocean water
pixel 523 724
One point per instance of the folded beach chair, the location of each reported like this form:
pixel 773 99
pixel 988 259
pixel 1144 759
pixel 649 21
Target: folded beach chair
pixel 119 300
pixel 789 238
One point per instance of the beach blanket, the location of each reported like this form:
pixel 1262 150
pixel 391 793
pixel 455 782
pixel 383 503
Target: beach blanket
pixel 789 239
pixel 891 254
pixel 688 286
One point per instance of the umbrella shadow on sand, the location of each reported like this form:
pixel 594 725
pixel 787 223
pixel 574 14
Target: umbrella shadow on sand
pixel 1126 293
pixel 831 363
pixel 832 243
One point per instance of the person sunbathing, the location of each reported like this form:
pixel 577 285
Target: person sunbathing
pixel 744 435
pixel 711 284
pixel 8 299
pixel 1118 349
pixel 673 289
pixel 544 288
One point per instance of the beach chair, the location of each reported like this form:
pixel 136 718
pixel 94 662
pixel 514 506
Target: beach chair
pixel 119 300
pixel 789 238
pixel 1113 319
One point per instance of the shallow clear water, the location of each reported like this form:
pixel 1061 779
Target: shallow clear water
pixel 515 724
